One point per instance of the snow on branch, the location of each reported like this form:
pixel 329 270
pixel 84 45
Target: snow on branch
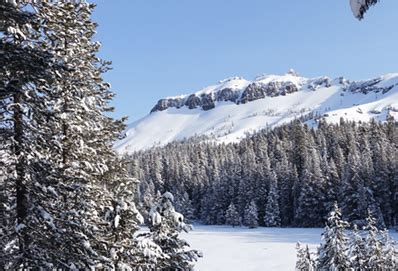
pixel 360 7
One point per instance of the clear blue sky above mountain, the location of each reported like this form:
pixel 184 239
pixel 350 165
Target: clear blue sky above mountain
pixel 169 47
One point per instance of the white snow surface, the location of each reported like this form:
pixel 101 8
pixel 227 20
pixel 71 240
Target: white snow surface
pixel 230 122
pixel 234 249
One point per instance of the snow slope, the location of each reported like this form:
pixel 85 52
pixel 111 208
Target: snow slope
pixel 231 121
pixel 236 249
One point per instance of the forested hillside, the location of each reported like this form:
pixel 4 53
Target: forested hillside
pixel 288 176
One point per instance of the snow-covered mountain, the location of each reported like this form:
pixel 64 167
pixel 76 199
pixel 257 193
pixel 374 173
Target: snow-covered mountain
pixel 235 107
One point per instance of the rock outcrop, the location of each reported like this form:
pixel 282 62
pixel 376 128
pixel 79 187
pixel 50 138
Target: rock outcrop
pixel 233 90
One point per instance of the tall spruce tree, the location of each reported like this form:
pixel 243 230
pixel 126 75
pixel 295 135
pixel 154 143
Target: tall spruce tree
pixel 232 216
pixel 87 167
pixel 390 251
pixel 28 231
pixel 251 215
pixel 354 192
pixel 166 225
pixel 374 250
pixel 58 144
pixel 333 251
pixel 304 261
pixel 272 213
pixel 357 250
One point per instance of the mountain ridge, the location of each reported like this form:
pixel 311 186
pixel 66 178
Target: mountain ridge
pixel 235 107
pixel 239 90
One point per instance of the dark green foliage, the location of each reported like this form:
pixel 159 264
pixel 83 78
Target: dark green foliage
pixel 232 216
pixel 251 215
pixel 64 189
pixel 369 249
pixel 165 226
pixel 354 164
pixel 333 251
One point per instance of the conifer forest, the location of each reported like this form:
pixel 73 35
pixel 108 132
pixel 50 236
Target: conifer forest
pixel 74 197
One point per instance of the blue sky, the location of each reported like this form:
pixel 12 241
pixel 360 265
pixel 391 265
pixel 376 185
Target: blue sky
pixel 169 47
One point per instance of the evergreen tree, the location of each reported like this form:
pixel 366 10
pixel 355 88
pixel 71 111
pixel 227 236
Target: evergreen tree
pixel 272 213
pixel 334 167
pixel 354 193
pixel 332 183
pixel 304 260
pixel 232 216
pixel 28 231
pixel 87 168
pixel 64 180
pixel 286 179
pixel 123 217
pixel 382 184
pixel 390 252
pixel 333 251
pixel 251 215
pixel 376 252
pixel 166 225
pixel 357 250
pixel 311 192
pixel 374 246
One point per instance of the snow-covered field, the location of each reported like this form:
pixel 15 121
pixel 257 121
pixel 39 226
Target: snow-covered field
pixel 230 249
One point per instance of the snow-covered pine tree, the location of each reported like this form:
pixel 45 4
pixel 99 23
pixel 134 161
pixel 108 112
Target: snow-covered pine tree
pixel 311 190
pixel 286 180
pixel 146 198
pixel 360 7
pixel 333 168
pixel 63 159
pixel 272 214
pixel 333 251
pixel 304 260
pixel 123 218
pixel 374 246
pixel 183 203
pixel 28 198
pixel 332 182
pixel 353 192
pixel 390 252
pixel 251 215
pixel 357 250
pixel 232 216
pixel 381 184
pixel 166 225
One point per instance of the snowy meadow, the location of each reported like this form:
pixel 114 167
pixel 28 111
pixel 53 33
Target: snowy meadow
pixel 228 248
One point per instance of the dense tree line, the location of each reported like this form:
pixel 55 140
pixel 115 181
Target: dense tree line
pixel 66 200
pixel 288 176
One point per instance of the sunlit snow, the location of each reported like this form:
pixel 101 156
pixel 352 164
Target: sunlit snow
pixel 236 249
pixel 230 122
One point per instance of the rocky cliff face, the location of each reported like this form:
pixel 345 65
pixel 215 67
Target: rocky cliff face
pixel 236 90
pixel 372 85
pixel 205 101
pixel 240 91
pixel 234 108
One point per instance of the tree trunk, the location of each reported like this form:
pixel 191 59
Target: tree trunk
pixel 21 193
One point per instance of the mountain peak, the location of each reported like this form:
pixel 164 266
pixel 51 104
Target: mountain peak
pixel 235 107
pixel 239 90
